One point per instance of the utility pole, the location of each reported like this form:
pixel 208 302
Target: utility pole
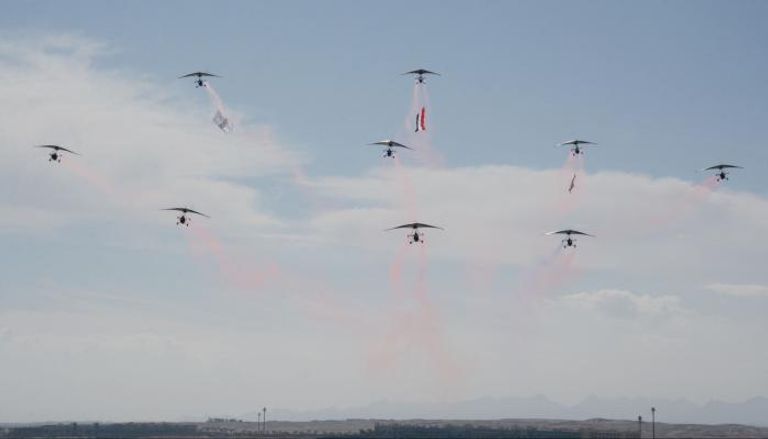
pixel 264 418
pixel 653 422
pixel 258 423
pixel 640 427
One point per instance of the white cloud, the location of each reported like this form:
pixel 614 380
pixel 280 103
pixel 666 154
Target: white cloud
pixel 661 227
pixel 626 304
pixel 142 147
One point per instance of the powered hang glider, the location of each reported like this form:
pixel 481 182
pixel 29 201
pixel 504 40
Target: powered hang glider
pixel 576 145
pixel 55 154
pixel 569 241
pixel 722 174
pixel 199 75
pixel 415 236
pixel 420 74
pixel 183 219
pixel 389 152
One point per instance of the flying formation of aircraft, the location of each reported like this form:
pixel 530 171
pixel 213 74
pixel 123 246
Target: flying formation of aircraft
pixel 55 154
pixel 569 241
pixel 420 74
pixel 183 219
pixel 722 174
pixel 415 236
pixel 389 152
pixel 575 145
pixel 200 75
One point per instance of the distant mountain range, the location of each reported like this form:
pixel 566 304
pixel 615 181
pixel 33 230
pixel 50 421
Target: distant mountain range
pixel 751 412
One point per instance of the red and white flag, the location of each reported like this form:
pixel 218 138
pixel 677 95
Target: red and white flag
pixel 421 122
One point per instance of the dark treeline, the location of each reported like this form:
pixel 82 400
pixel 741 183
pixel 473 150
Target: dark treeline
pixel 380 431
pixel 398 431
pixel 96 430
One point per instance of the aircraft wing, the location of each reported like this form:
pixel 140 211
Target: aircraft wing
pixel 390 143
pixel 198 213
pixel 198 74
pixel 569 232
pixel 421 72
pixel 576 142
pixel 68 150
pixel 719 167
pixel 57 148
pixel 416 226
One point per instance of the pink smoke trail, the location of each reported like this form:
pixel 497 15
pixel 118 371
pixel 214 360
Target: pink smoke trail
pixel 405 184
pixel 311 294
pixel 482 271
pixel 93 177
pixel 688 204
pixel 233 272
pixel 396 270
pixel 316 296
pixel 549 274
pixel 417 327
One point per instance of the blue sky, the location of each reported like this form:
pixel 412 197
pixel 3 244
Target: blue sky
pixel 102 294
pixel 667 87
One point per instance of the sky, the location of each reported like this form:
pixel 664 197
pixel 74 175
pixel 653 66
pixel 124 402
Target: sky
pixel 291 295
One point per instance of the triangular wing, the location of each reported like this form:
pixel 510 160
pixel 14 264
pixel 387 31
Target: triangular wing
pixel 57 148
pixel 421 72
pixel 390 143
pixel 576 142
pixel 199 75
pixel 569 232
pixel 416 226
pixel 720 167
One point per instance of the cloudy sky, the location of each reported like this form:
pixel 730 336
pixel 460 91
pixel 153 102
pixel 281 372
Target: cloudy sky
pixel 291 295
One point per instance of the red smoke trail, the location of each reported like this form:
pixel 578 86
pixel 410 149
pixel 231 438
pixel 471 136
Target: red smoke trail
pixel 234 273
pixel 91 176
pixel 396 270
pixel 316 296
pixel 556 272
pixel 311 294
pixel 417 327
pixel 552 272
pixel 703 189
pixel 405 184
pixel 688 204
